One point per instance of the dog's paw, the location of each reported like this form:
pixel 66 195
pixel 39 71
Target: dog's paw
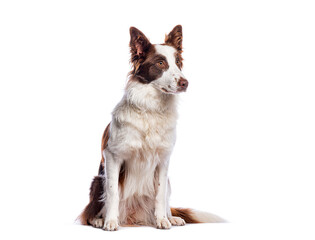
pixel 177 221
pixel 163 223
pixel 97 222
pixel 111 225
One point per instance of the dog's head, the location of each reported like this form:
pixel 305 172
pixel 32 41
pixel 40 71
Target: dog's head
pixel 158 64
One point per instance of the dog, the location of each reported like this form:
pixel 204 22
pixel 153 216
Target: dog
pixel 132 186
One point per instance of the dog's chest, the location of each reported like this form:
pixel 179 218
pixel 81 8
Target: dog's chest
pixel 143 132
pixel 144 141
pixel 154 132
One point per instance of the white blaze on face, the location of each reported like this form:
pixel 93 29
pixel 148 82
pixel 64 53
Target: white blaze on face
pixel 168 82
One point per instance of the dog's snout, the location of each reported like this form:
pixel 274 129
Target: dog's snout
pixel 183 84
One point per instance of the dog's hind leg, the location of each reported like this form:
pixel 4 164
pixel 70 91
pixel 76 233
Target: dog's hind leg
pixel 91 214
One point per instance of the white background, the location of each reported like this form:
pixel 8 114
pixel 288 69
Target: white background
pixel 246 135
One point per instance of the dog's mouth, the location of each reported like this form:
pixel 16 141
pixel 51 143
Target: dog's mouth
pixel 172 92
pixel 164 90
pixel 168 91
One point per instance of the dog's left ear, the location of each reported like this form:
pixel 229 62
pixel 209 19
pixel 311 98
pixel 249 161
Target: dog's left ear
pixel 175 38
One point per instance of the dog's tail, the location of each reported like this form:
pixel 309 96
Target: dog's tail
pixel 194 216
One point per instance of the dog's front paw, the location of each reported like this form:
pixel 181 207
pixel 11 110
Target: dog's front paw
pixel 111 225
pixel 177 221
pixel 163 223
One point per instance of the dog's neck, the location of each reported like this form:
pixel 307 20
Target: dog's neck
pixel 146 98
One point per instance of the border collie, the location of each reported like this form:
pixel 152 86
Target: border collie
pixel 132 186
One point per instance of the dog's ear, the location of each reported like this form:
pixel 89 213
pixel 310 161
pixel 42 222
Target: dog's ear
pixel 139 43
pixel 175 38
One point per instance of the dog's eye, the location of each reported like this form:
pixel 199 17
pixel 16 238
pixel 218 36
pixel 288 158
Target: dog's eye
pixel 161 64
pixel 177 60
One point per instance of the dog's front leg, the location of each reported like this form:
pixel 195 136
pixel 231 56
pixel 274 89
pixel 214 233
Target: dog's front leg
pixel 112 193
pixel 162 221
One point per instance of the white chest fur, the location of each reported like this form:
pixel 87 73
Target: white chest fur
pixel 143 133
pixel 144 122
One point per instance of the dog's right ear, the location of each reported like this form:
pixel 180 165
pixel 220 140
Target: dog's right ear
pixel 139 43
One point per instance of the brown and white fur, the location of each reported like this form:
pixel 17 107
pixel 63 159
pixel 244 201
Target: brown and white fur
pixel 132 187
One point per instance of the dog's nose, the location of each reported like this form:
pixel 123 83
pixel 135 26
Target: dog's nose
pixel 183 84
